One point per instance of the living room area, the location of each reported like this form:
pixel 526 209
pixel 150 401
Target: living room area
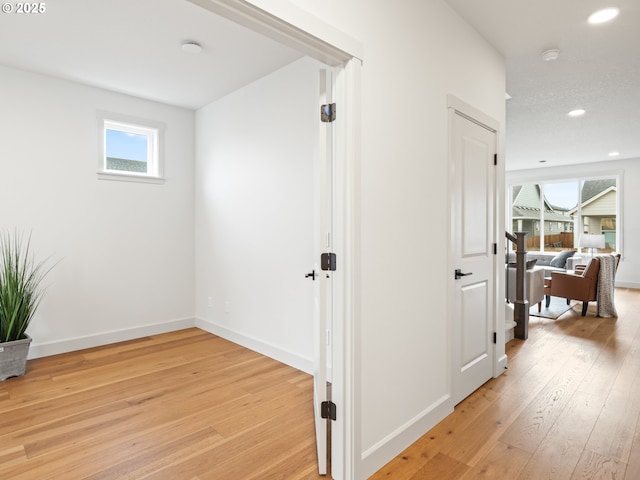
pixel 562 225
pixel 571 156
pixel 563 215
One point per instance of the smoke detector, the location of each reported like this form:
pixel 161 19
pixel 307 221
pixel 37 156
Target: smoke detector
pixel 191 47
pixel 550 55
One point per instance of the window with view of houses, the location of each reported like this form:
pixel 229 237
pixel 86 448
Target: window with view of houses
pixel 555 214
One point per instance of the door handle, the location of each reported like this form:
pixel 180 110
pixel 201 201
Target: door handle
pixel 312 275
pixel 459 274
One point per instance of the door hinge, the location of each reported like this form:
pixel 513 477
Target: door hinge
pixel 495 337
pixel 328 410
pixel 328 112
pixel 495 159
pixel 495 248
pixel 328 262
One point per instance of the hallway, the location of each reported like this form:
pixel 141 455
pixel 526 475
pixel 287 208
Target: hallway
pixel 567 408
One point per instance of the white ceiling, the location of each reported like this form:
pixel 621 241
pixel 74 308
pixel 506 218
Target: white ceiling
pixel 598 70
pixel 134 47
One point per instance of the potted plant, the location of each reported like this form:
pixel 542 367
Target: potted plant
pixel 20 294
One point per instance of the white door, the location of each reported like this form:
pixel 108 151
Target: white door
pixel 324 285
pixel 473 149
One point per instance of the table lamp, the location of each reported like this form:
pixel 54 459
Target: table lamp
pixel 592 242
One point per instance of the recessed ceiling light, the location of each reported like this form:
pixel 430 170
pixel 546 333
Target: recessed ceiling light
pixel 614 154
pixel 578 112
pixel 191 47
pixel 604 15
pixel 550 55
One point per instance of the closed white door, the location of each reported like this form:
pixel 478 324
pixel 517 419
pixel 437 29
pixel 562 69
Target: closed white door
pixel 473 150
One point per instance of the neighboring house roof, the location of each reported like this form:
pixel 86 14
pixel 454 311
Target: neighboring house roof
pixel 524 213
pixel 560 209
pixel 526 205
pixel 593 190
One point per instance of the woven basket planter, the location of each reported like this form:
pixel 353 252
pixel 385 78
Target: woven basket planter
pixel 13 358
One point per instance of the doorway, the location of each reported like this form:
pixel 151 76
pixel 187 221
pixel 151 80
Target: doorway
pixel 347 74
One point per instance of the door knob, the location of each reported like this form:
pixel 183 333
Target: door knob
pixel 459 274
pixel 312 275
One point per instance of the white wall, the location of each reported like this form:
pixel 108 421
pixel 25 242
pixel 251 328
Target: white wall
pixel 125 250
pixel 415 53
pixel 628 274
pixel 426 53
pixel 255 214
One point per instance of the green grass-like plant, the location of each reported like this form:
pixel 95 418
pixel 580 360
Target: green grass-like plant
pixel 20 285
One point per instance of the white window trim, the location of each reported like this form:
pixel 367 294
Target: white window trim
pixel 151 128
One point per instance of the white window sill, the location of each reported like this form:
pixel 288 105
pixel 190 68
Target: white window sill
pixel 127 177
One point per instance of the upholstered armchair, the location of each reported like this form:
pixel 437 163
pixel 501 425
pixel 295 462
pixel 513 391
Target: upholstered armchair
pixel 580 285
pixel 535 285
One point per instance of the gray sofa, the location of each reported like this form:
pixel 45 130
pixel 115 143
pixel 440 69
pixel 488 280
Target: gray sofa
pixel 549 261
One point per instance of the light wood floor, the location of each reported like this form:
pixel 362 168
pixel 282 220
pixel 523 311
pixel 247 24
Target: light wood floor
pixel 190 405
pixel 186 405
pixel 567 408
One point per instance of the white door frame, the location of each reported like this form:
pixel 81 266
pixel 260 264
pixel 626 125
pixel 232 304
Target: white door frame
pixel 294 27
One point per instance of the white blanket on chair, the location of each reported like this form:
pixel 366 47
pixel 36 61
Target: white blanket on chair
pixel 606 281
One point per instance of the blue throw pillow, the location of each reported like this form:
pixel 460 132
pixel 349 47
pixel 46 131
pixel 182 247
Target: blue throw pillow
pixel 560 260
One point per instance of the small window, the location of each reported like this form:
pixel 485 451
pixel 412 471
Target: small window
pixel 130 149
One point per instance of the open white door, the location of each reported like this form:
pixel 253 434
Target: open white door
pixel 287 23
pixel 473 150
pixel 324 311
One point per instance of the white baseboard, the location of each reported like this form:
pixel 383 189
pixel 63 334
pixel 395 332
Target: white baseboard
pixel 294 360
pixel 38 350
pixel 627 284
pixel 375 457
